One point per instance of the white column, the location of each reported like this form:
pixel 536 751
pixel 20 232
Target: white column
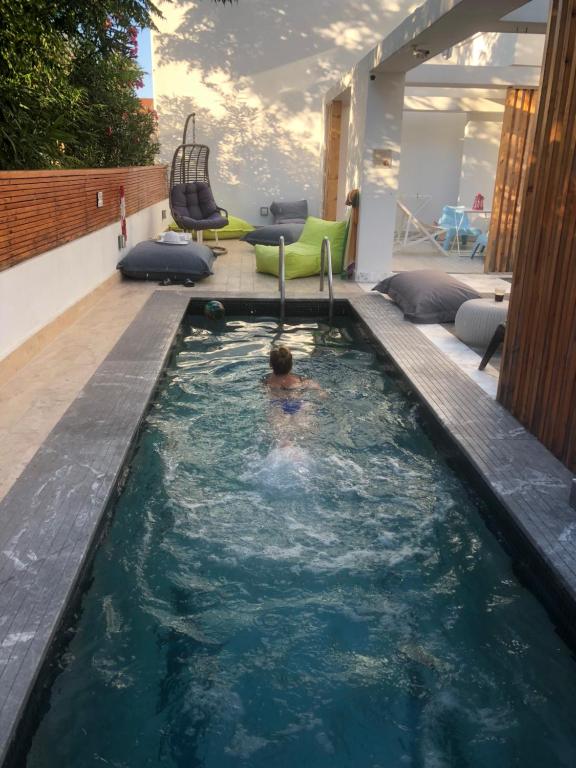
pixel 379 172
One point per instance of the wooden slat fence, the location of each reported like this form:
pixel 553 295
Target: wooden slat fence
pixel 517 137
pixel 538 379
pixel 40 210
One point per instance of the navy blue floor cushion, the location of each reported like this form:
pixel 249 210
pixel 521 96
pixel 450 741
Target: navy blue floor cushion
pixel 271 234
pixel 151 260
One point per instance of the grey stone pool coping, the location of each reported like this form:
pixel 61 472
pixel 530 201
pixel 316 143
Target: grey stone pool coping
pixel 51 518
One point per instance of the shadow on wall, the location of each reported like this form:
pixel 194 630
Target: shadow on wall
pixel 256 74
pixel 484 49
pixel 480 160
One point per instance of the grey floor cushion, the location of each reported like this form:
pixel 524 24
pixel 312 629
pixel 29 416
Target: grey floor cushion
pixel 289 211
pixel 427 296
pixel 271 234
pixel 151 260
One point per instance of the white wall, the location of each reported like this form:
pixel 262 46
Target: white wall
pixel 37 291
pixel 431 162
pixel 256 73
pixel 480 158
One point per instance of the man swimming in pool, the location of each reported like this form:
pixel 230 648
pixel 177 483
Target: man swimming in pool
pixel 284 384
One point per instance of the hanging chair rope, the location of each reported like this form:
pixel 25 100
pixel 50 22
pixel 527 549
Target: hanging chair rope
pixel 192 117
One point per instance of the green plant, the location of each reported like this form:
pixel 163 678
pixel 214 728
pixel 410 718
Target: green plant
pixel 68 72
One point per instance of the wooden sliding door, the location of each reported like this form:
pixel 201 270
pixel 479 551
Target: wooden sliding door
pixel 332 160
pixel 517 136
pixel 538 379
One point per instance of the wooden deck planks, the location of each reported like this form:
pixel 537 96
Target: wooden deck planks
pixel 530 484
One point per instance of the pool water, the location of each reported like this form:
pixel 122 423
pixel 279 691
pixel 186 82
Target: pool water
pixel 291 590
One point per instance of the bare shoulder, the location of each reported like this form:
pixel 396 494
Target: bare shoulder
pixel 314 386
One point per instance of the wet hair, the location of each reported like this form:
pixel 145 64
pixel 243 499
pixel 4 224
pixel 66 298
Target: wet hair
pixel 281 361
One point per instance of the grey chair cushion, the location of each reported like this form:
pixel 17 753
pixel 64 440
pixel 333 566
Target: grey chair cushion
pixel 193 206
pixel 271 235
pixel 150 260
pixel 291 212
pixel 427 296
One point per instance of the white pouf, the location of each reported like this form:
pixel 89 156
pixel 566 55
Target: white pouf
pixel 477 320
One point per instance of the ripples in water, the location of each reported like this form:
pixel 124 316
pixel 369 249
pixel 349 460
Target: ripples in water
pixel 311 590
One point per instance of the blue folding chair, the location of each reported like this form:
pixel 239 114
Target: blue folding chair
pixel 454 225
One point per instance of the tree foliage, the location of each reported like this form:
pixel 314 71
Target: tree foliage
pixel 68 78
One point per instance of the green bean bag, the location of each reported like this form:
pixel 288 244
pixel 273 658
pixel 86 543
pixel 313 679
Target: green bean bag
pixel 303 256
pixel 234 230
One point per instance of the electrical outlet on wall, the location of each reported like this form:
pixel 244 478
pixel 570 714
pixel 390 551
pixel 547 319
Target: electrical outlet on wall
pixel 99 199
pixel 163 214
pixel 263 210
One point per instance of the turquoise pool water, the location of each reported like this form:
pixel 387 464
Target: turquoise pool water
pixel 313 590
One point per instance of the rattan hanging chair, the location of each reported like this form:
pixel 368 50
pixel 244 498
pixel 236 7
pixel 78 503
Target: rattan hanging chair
pixel 192 203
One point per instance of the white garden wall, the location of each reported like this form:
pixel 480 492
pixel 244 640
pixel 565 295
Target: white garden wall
pixel 37 291
pixel 256 73
pixel 431 162
pixel 480 158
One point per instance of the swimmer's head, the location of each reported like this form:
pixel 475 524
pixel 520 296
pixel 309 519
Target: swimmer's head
pixel 281 361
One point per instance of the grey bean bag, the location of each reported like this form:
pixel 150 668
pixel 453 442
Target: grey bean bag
pixel 151 260
pixel 427 296
pixel 271 234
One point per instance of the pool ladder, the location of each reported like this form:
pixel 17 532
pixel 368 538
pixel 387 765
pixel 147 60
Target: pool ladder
pixel 326 258
pixel 282 279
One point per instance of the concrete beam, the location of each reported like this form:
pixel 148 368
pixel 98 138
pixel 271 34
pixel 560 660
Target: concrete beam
pixel 531 18
pixel 532 12
pixel 457 76
pixel 492 94
pixel 517 27
pixel 448 104
pixel 436 26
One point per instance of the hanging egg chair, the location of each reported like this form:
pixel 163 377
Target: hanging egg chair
pixel 192 203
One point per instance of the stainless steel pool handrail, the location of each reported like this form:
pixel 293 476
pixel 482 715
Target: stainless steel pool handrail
pixel 282 278
pixel 326 253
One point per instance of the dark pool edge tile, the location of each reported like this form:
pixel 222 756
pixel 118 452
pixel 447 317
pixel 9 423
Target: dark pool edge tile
pixel 530 487
pixel 52 515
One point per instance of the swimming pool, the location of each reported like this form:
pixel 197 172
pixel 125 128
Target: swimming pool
pixel 315 589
